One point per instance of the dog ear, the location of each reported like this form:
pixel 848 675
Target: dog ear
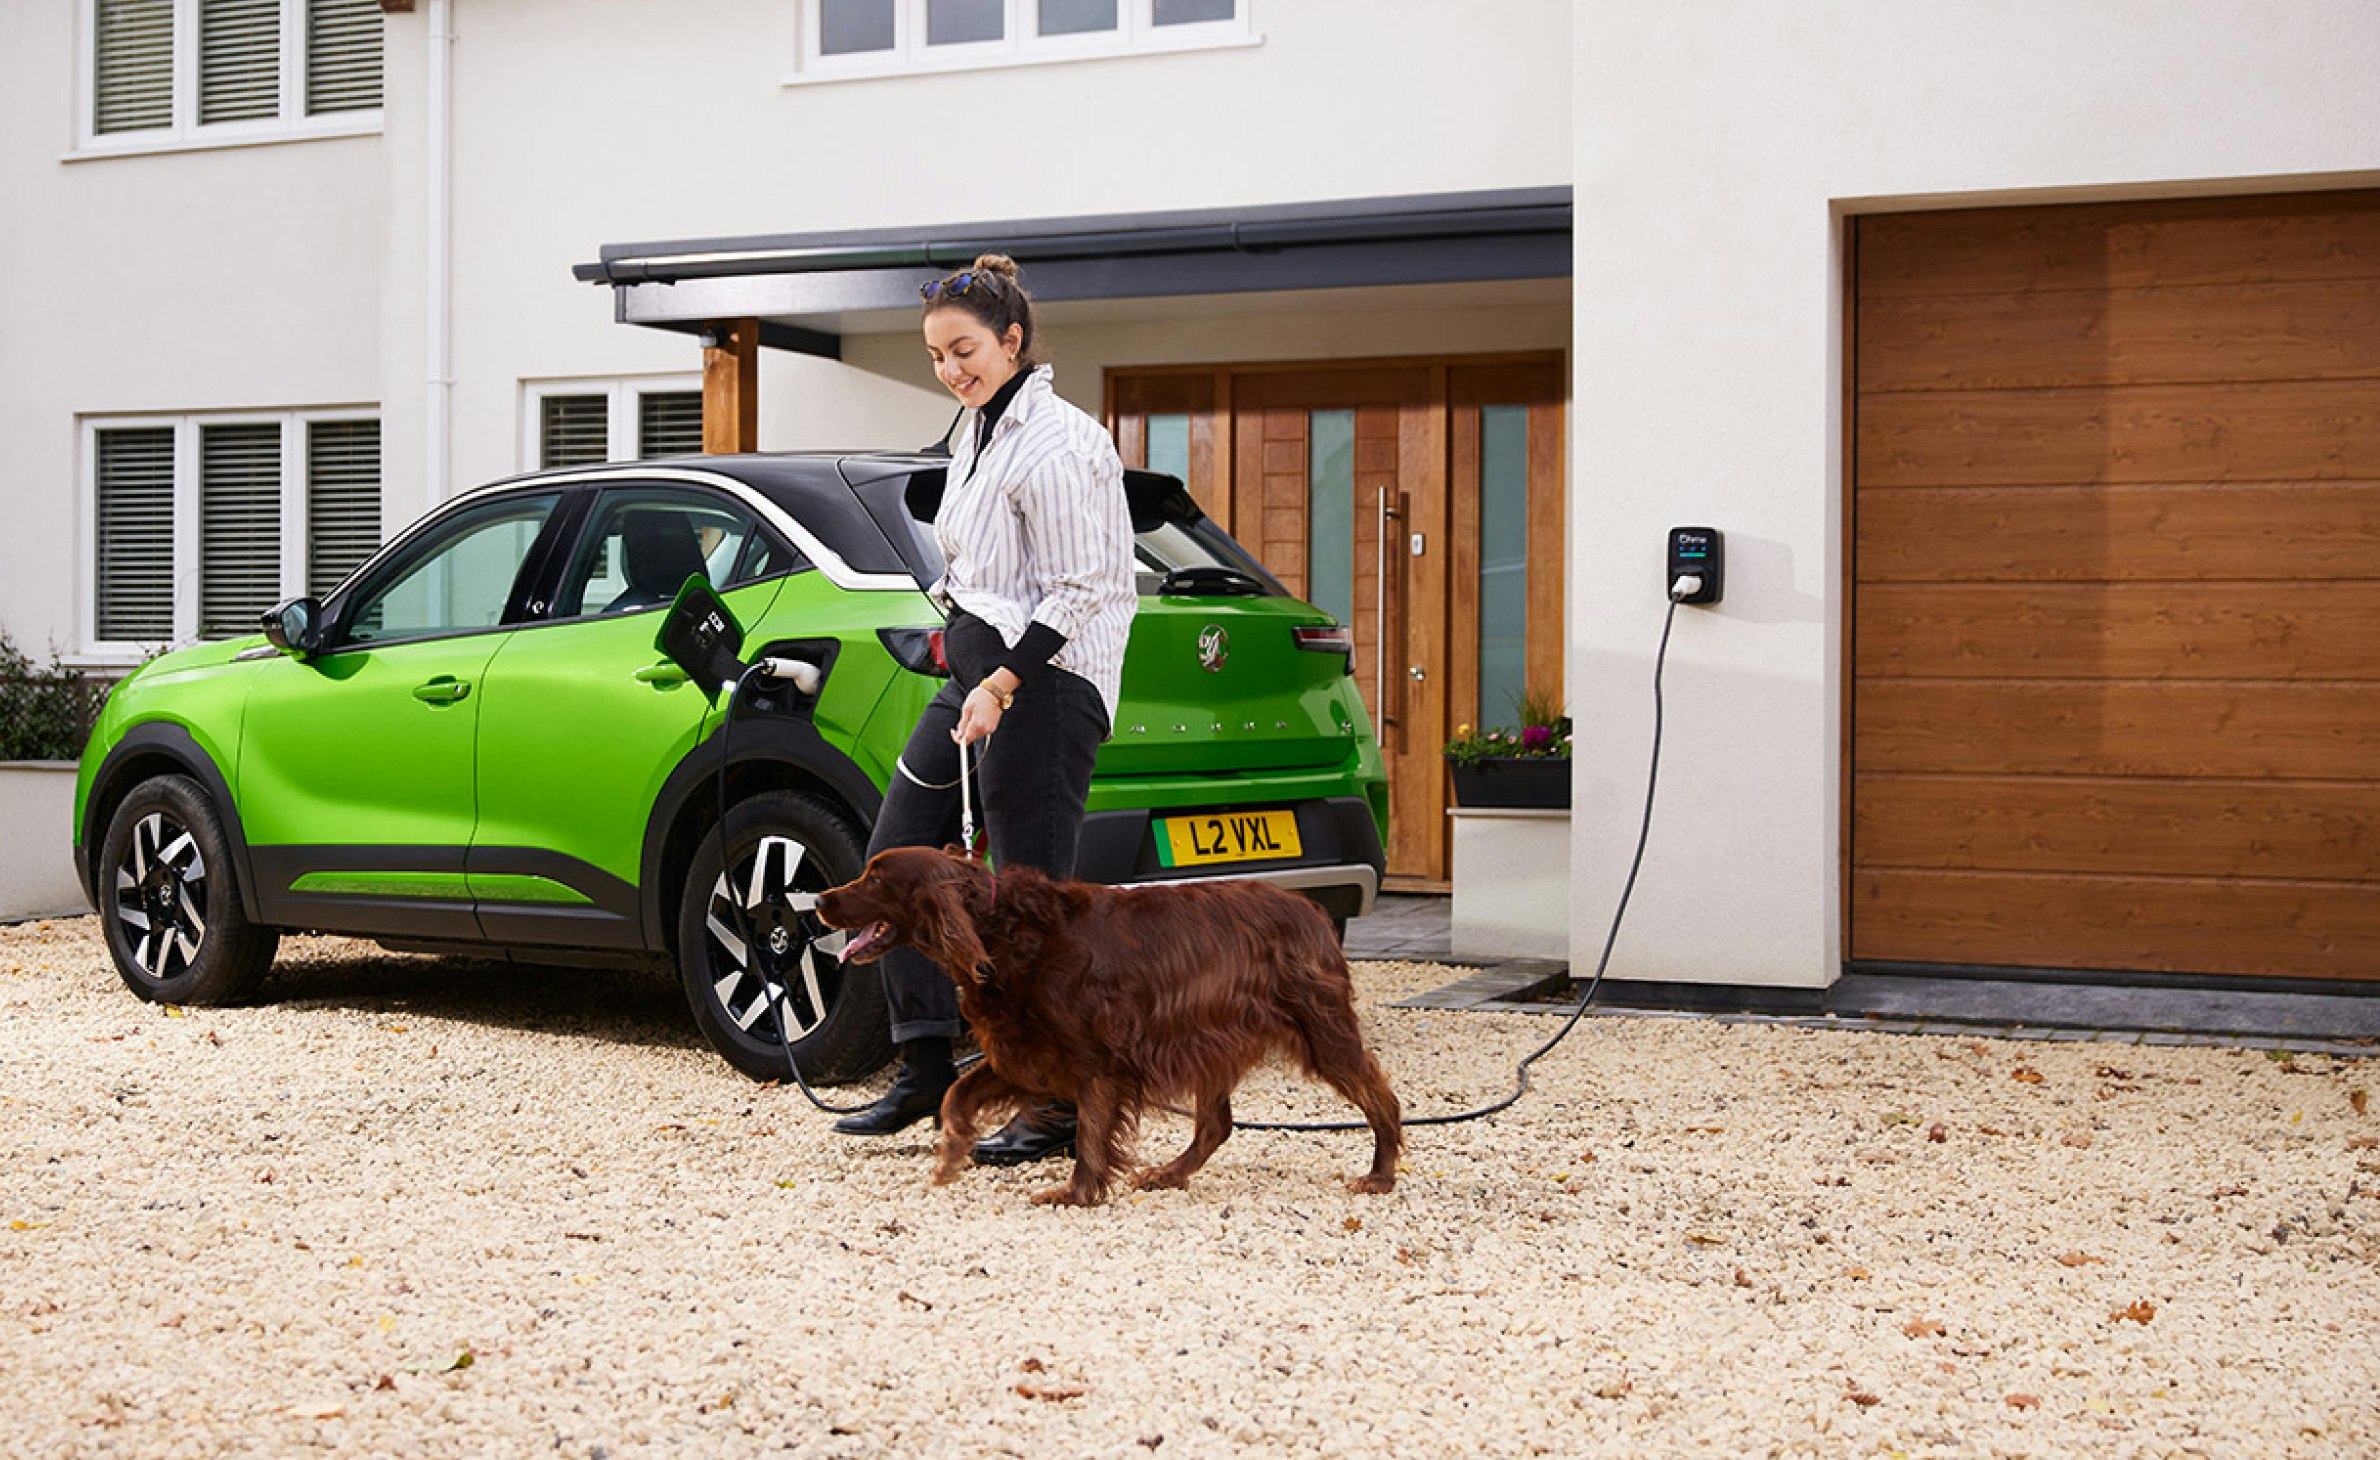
pixel 949 932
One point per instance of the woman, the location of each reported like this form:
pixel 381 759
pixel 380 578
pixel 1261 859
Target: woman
pixel 1039 588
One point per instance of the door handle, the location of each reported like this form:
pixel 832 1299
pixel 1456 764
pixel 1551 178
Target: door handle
pixel 661 676
pixel 1388 514
pixel 444 690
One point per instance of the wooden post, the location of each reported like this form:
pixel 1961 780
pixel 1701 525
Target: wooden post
pixel 731 387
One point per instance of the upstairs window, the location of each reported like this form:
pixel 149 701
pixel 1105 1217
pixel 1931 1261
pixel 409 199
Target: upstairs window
pixel 852 38
pixel 588 422
pixel 169 73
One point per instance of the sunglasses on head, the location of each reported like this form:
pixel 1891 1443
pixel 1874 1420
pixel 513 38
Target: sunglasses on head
pixel 950 288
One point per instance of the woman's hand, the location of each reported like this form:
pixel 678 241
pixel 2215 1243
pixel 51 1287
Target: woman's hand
pixel 980 715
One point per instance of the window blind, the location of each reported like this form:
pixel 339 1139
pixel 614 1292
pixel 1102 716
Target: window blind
pixel 239 526
pixel 342 55
pixel 573 430
pixel 239 60
pixel 342 500
pixel 136 535
pixel 135 85
pixel 669 423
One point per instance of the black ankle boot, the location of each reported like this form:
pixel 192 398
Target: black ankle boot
pixel 915 1094
pixel 1038 1132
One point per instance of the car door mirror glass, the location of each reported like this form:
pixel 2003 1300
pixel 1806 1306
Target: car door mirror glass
pixel 294 627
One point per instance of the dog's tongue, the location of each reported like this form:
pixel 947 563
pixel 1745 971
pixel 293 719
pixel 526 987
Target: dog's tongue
pixel 861 941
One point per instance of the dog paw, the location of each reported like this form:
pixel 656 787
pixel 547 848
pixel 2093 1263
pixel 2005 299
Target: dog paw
pixel 1368 1185
pixel 1160 1178
pixel 1063 1196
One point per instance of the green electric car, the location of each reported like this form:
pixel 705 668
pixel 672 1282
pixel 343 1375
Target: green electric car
pixel 474 744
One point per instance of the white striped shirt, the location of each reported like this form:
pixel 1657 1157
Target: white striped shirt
pixel 1035 527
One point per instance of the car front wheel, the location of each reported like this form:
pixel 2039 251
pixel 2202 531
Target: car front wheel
pixel 761 972
pixel 169 902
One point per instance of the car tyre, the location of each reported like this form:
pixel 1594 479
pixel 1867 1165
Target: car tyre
pixel 751 950
pixel 169 900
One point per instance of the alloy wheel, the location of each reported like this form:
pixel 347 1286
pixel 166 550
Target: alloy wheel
pixel 774 966
pixel 161 896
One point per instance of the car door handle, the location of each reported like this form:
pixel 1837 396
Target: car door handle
pixel 661 676
pixel 444 690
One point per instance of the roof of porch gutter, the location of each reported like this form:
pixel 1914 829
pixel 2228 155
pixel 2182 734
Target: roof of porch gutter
pixel 799 284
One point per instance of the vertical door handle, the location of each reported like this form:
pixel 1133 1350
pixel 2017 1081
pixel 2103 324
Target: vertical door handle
pixel 1384 537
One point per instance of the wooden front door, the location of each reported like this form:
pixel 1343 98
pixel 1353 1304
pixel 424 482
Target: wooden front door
pixel 1419 503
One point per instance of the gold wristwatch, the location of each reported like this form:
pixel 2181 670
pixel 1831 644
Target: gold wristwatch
pixel 1005 698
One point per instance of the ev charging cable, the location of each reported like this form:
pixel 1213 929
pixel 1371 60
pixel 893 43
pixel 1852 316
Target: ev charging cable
pixel 1686 584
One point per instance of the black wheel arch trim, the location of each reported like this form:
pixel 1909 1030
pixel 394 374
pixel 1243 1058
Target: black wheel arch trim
pixel 790 742
pixel 174 743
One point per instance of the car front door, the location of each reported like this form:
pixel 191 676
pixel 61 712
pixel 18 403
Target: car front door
pixel 583 718
pixel 356 766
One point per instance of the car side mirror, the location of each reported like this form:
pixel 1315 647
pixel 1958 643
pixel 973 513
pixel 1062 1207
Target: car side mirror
pixel 295 627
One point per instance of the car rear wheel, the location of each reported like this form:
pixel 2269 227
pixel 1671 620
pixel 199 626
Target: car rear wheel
pixel 760 970
pixel 169 902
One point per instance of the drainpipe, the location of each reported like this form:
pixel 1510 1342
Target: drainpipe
pixel 439 282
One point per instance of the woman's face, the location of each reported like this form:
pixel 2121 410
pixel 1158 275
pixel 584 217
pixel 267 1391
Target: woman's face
pixel 969 360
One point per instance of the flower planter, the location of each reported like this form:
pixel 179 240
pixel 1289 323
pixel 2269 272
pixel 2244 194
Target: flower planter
pixel 37 858
pixel 1508 781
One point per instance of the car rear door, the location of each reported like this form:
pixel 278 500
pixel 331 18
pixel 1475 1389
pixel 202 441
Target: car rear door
pixel 584 719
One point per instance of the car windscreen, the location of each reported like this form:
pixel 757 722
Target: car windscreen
pixel 1177 548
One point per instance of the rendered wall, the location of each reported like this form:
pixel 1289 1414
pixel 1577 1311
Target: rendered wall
pixel 1717 147
pixel 234 278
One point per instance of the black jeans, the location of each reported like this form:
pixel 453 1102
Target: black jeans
pixel 1031 779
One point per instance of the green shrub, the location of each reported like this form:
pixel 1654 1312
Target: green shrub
pixel 45 713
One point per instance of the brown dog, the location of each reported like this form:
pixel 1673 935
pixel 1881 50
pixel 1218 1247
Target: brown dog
pixel 1117 998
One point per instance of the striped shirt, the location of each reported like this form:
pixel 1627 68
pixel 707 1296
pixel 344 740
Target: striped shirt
pixel 1034 528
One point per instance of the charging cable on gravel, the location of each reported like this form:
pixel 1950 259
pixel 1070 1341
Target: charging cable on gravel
pixel 1521 1072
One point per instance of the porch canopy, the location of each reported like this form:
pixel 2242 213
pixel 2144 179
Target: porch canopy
pixel 804 291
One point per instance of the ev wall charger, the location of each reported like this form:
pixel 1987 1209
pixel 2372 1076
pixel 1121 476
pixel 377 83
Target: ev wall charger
pixel 1697 565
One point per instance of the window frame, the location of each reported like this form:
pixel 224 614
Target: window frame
pixel 185 133
pixel 624 393
pixel 583 534
pixel 434 533
pixel 1136 34
pixel 296 526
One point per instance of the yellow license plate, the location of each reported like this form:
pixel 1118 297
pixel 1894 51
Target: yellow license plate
pixel 1227 836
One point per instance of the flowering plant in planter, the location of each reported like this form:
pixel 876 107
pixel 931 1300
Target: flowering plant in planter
pixel 1543 734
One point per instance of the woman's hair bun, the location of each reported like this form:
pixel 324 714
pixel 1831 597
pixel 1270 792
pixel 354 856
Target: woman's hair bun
pixel 995 263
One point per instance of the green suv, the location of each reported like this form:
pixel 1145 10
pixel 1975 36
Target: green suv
pixel 473 744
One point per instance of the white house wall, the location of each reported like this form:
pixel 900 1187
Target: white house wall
pixel 233 278
pixel 1718 146
pixel 588 123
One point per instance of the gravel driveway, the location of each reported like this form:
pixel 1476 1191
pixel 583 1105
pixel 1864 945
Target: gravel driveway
pixel 440 1208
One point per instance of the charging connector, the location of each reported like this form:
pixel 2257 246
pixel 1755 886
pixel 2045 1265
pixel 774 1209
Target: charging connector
pixel 800 673
pixel 1685 586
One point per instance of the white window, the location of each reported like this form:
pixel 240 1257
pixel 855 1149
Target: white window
pixel 196 525
pixel 162 74
pixel 583 422
pixel 842 39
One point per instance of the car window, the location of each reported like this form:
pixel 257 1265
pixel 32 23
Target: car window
pixel 457 578
pixel 644 543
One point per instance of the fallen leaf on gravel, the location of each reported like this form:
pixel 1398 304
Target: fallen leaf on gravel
pixel 1033 1366
pixel 2224 1191
pixel 2080 1140
pixel 217 1040
pixel 2140 1312
pixel 387 1381
pixel 1863 1398
pixel 2077 1259
pixel 1613 1389
pixel 174 1011
pixel 325 1410
pixel 1856 1274
pixel 1937 1132
pixel 1051 1391
pixel 1742 1279
pixel 2362 1143
pixel 1356 1224
pixel 785 1183
pixel 1706 1130
pixel 2110 1072
pixel 394 1028
pixel 2360 1100
pixel 1587 1158
pixel 24 1226
pixel 1923 1328
pixel 2023 1401
pixel 463 1360
pixel 1899 1117
pixel 1405 1256
pixel 909 1297
pixel 2030 1077
pixel 1707 1239
pixel 1990 1130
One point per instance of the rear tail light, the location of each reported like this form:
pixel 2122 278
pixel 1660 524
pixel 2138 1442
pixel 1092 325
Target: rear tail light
pixel 917 650
pixel 1328 639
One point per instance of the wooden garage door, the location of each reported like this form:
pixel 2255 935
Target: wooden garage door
pixel 2116 597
